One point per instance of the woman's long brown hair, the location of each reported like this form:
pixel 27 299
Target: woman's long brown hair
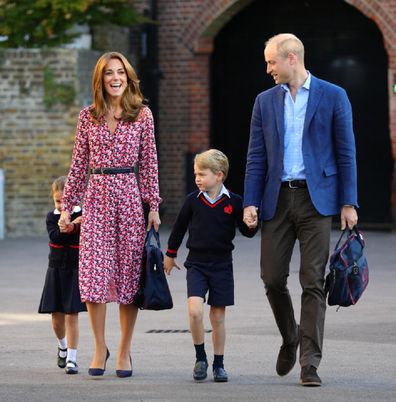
pixel 132 98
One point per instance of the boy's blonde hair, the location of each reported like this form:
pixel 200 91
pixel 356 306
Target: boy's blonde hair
pixel 214 160
pixel 58 185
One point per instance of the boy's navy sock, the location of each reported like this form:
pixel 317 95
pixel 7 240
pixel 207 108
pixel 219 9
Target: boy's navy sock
pixel 200 353
pixel 218 361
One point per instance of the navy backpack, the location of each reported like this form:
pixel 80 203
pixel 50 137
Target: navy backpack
pixel 154 293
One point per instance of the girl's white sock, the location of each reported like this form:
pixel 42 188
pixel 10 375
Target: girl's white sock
pixel 62 345
pixel 71 355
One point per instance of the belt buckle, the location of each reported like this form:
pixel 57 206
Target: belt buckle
pixel 290 184
pixel 103 170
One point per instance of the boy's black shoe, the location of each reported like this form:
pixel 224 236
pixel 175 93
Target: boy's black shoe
pixel 61 361
pixel 200 370
pixel 219 374
pixel 287 357
pixel 309 377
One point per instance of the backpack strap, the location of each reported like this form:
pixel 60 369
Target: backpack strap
pixel 359 236
pixel 342 235
pixel 152 234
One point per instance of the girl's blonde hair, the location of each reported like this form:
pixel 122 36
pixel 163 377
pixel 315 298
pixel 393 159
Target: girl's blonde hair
pixel 58 185
pixel 132 98
pixel 214 160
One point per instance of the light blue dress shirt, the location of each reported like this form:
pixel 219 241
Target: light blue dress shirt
pixel 293 162
pixel 223 191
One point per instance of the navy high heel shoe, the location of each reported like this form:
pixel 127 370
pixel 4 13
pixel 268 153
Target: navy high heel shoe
pixel 98 371
pixel 125 373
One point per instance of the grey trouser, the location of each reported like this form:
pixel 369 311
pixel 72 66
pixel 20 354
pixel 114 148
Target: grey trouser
pixel 296 218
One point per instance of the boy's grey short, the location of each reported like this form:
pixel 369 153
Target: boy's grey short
pixel 215 277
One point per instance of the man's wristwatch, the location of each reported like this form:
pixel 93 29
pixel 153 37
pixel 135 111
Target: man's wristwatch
pixel 348 206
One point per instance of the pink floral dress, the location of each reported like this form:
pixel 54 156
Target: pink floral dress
pixel 113 228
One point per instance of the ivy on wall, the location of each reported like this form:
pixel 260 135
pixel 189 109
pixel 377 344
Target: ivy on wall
pixel 56 93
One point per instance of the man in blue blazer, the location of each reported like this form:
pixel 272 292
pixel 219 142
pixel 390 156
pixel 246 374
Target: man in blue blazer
pixel 301 170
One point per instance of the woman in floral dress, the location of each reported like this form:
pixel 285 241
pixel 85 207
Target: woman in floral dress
pixel 114 135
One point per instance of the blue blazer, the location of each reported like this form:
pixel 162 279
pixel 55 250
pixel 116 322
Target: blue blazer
pixel 328 147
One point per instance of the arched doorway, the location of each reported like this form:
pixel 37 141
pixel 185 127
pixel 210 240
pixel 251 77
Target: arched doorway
pixel 342 46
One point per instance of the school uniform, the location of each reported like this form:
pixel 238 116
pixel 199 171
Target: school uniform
pixel 61 292
pixel 211 226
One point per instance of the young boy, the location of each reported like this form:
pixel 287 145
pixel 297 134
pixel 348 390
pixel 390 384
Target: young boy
pixel 210 214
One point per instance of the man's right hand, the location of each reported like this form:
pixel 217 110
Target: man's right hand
pixel 250 217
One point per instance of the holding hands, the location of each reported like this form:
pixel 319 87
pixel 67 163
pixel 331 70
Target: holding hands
pixel 64 222
pixel 65 226
pixel 250 217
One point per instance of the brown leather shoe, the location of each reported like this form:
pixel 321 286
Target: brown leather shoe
pixel 309 377
pixel 287 358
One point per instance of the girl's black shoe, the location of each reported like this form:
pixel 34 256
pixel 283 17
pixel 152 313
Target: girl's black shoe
pixel 61 361
pixel 71 367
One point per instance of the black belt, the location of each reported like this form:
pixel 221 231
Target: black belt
pixel 294 184
pixel 112 170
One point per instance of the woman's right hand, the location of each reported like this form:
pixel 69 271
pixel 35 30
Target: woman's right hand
pixel 153 219
pixel 169 263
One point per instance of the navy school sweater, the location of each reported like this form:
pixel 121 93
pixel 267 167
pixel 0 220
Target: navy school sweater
pixel 211 227
pixel 64 247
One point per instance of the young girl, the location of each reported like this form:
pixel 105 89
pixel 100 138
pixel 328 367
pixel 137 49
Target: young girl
pixel 61 296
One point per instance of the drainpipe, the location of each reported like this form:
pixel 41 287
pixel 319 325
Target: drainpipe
pixel 155 70
pixel 2 217
pixel 150 70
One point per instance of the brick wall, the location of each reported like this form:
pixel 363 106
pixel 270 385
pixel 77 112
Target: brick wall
pixel 183 100
pixel 36 143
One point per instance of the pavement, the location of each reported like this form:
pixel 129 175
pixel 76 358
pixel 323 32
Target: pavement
pixel 359 355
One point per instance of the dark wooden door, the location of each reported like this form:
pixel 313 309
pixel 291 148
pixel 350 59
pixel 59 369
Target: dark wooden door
pixel 342 46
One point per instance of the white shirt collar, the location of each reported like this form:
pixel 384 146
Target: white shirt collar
pixel 75 210
pixel 306 85
pixel 223 191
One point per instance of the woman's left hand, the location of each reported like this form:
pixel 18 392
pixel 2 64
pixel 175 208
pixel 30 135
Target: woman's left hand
pixel 64 219
pixel 153 219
